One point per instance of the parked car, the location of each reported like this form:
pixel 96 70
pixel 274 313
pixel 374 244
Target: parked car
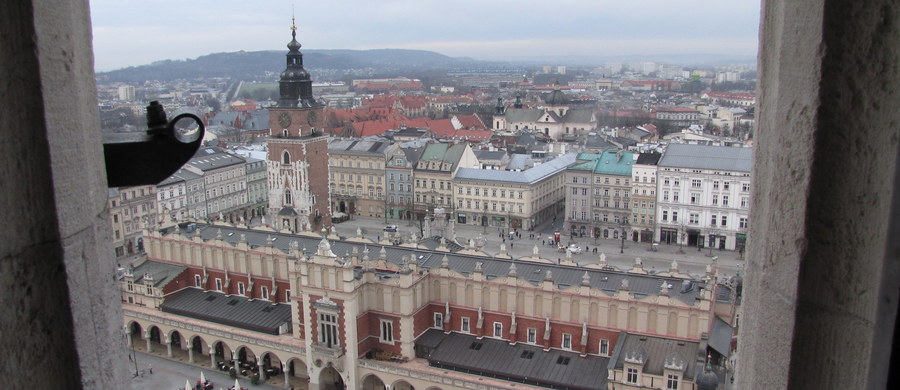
pixel 390 228
pixel 575 249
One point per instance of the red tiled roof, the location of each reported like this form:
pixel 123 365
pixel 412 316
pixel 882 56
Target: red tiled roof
pixel 676 109
pixel 648 82
pixel 412 85
pixel 730 95
pixel 471 122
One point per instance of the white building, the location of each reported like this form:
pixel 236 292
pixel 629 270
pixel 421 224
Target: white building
pixel 643 195
pixel 703 196
pixel 171 198
pixel 126 93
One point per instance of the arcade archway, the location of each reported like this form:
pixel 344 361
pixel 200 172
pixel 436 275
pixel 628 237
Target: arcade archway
pixel 330 379
pixel 373 382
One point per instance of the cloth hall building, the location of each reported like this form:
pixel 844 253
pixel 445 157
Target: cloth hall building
pixel 332 312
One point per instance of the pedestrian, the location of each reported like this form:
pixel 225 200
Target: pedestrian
pixel 510 245
pixel 504 240
pixel 150 368
pixel 586 248
pixel 542 243
pixel 558 261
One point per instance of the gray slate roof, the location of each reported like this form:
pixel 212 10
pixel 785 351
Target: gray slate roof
pixel 160 273
pixel 519 162
pixel 723 158
pixel 578 116
pixel 656 350
pixel 181 175
pixel 208 158
pixel 358 147
pixel 529 176
pixel 413 154
pixel 648 158
pixel 484 155
pixel 607 281
pixel 240 312
pixel 521 362
pixel 523 115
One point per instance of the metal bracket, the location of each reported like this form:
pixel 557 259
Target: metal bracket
pixel 149 157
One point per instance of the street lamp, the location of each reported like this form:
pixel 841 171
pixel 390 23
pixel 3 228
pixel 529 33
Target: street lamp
pixel 133 354
pixel 624 226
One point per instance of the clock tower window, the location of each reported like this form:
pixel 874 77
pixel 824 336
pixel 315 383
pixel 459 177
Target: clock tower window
pixel 285 157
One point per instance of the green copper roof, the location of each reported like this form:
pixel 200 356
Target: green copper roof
pixel 610 162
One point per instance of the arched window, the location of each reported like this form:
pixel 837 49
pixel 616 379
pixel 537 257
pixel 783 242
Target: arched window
pixel 287 197
pixel 285 157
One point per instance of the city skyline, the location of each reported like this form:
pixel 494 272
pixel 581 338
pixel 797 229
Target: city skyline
pixel 501 30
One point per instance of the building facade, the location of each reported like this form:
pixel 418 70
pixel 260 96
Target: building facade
pixel 356 172
pixel 704 196
pixel 224 181
pixel 643 196
pixel 508 199
pixel 598 189
pixel 434 174
pixel 195 187
pixel 257 187
pixel 398 174
pixel 131 210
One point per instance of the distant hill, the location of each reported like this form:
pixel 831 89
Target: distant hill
pixel 249 65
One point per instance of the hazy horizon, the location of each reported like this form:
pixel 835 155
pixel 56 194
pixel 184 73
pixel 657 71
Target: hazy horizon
pixel 497 31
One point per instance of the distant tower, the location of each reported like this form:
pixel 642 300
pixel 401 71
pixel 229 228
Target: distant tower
pixel 298 200
pixel 499 116
pixel 518 103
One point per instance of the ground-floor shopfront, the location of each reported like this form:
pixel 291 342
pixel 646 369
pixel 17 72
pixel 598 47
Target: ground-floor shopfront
pixel 700 238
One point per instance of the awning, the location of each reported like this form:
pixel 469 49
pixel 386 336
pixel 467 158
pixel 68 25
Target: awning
pixel 720 337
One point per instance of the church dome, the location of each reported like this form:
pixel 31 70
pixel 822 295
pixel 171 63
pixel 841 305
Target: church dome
pixel 707 381
pixel 293 45
pixel 556 98
pixel 295 74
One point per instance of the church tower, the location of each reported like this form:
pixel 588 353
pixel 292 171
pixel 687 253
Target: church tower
pixel 499 116
pixel 297 165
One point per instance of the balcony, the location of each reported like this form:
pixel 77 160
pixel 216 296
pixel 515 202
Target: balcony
pixel 322 351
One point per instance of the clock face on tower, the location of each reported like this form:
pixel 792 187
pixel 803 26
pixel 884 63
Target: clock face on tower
pixel 311 118
pixel 284 119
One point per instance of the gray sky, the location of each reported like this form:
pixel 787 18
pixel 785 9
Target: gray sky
pixel 131 32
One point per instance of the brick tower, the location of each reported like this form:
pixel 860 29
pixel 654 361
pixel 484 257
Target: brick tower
pixel 297 165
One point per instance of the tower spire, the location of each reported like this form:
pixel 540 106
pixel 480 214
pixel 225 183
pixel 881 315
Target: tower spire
pixel 293 24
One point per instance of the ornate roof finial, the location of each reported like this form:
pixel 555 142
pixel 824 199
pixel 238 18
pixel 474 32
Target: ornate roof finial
pixel 293 23
pixel 586 279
